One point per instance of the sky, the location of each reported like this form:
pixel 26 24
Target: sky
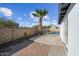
pixel 22 13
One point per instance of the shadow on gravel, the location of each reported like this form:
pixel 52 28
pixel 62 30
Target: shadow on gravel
pixel 9 48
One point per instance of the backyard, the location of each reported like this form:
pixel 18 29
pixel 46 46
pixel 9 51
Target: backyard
pixel 30 30
pixel 41 45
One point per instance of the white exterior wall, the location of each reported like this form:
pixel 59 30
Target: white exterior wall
pixel 73 31
pixel 62 31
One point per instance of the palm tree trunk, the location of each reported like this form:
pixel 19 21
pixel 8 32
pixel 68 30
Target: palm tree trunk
pixel 40 25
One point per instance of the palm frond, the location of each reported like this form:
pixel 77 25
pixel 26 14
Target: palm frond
pixel 40 13
pixel 34 14
pixel 45 12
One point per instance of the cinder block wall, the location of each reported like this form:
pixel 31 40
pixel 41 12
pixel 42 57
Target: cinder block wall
pixel 8 34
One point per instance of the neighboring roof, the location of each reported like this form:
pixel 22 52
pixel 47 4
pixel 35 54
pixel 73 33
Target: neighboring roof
pixel 63 7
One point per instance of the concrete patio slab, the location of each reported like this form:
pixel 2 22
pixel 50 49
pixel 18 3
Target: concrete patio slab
pixel 49 39
pixel 57 51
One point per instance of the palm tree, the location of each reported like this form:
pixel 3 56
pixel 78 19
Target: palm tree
pixel 40 14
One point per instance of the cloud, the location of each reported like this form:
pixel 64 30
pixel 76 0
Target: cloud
pixel 46 23
pixel 46 17
pixel 54 22
pixel 35 23
pixel 6 11
pixel 32 17
pixel 36 19
pixel 23 24
pixel 19 18
pixel 25 14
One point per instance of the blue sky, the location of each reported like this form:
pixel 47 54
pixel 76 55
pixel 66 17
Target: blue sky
pixel 22 13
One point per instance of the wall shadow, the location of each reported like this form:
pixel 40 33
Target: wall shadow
pixel 12 47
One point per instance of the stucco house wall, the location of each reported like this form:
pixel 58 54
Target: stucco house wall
pixel 72 16
pixel 73 31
